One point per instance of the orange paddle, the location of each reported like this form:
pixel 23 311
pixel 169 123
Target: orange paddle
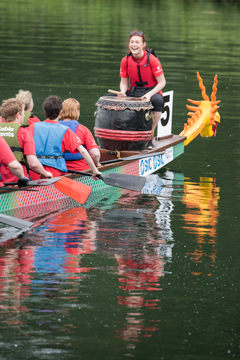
pixel 75 190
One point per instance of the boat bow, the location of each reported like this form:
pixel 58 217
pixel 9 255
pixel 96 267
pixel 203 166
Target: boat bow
pixel 204 116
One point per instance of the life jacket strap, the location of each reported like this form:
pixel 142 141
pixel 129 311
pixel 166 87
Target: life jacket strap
pixel 140 83
pixel 14 148
pixel 148 54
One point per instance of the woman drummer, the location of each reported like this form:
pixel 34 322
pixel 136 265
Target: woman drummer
pixel 145 73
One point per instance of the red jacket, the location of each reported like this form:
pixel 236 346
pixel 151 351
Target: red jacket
pixel 141 74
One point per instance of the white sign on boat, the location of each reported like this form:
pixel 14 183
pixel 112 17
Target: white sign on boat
pixel 165 124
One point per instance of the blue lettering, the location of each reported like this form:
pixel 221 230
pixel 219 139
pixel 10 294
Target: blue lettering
pixel 141 167
pixel 146 165
pixel 150 163
pixel 161 160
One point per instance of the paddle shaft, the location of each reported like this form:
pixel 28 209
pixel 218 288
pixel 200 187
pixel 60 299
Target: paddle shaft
pixel 84 174
pixel 130 158
pixel 8 189
pixel 118 93
pixel 40 182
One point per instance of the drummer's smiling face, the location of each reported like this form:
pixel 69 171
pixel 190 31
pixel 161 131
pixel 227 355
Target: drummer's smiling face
pixel 137 46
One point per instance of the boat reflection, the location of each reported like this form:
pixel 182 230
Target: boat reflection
pixel 142 248
pixel 76 239
pixel 201 218
pixel 133 232
pixel 16 269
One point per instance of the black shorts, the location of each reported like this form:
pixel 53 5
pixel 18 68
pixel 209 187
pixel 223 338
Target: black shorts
pixel 156 99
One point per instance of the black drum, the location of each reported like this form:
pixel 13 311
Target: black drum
pixel 123 123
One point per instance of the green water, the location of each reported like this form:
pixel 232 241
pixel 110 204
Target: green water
pixel 143 277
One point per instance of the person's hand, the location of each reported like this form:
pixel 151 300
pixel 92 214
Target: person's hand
pixel 47 174
pixel 96 175
pixel 147 97
pixel 23 182
pixel 122 94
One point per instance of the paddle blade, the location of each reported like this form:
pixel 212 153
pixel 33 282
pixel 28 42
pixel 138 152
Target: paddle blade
pixel 75 190
pixel 130 182
pixel 16 222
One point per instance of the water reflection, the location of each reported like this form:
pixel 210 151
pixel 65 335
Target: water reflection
pixel 41 273
pixel 201 201
pixel 139 276
pixel 142 243
pixel 201 218
pixel 75 239
pixel 124 233
pixel 16 268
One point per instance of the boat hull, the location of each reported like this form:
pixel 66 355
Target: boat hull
pixel 49 194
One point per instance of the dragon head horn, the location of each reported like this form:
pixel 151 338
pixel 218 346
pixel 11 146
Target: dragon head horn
pixel 202 87
pixel 214 89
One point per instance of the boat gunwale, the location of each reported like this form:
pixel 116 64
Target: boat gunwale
pixel 160 145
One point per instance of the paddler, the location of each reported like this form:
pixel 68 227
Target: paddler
pixel 19 139
pixel 70 114
pixel 144 72
pixel 26 96
pixel 8 159
pixel 53 139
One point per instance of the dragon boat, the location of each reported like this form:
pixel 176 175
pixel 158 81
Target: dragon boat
pixel 29 202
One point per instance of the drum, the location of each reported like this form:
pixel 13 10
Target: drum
pixel 123 123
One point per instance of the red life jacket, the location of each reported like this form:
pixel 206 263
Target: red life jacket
pixel 141 74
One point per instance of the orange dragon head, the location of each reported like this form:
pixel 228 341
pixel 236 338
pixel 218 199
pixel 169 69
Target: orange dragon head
pixel 204 117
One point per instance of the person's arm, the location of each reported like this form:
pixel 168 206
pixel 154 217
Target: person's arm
pixel 95 155
pixel 37 167
pixel 89 160
pixel 123 85
pixel 8 159
pixel 16 168
pixel 161 82
pixel 89 143
pixel 26 141
pixel 124 76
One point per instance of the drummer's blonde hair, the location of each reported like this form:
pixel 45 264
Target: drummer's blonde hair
pixel 25 96
pixel 70 109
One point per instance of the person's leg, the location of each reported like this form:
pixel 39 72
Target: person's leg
pixel 157 101
pixel 156 118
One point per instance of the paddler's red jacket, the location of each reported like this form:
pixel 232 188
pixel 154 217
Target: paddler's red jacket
pixel 27 145
pixel 6 155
